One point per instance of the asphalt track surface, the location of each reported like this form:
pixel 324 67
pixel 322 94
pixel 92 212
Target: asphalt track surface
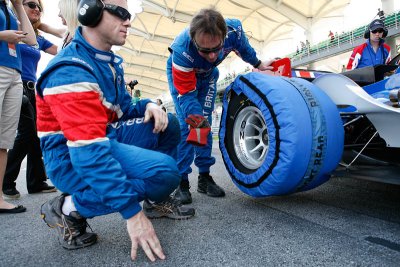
pixel 345 222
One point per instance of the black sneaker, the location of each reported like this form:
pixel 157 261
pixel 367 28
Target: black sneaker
pixel 182 193
pixel 170 208
pixel 206 185
pixel 44 188
pixel 11 193
pixel 71 228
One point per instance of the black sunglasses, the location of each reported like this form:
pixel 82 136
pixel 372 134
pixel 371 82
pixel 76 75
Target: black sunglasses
pixel 378 30
pixel 118 11
pixel 33 5
pixel 208 50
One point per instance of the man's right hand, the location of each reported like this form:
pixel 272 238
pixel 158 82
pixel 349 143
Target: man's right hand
pixel 142 233
pixel 160 117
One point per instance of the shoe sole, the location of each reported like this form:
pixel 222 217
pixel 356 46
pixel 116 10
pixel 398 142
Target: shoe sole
pixel 201 191
pixel 17 196
pixel 73 247
pixel 156 215
pixel 210 195
pixel 44 191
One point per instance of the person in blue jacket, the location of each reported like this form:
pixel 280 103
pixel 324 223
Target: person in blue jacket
pixel 192 77
pixel 105 153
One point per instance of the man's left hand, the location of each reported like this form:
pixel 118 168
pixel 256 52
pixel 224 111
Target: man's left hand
pixel 160 117
pixel 142 233
pixel 266 65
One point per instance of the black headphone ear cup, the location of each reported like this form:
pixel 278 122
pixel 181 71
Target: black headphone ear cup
pixel 90 12
pixel 385 33
pixel 366 34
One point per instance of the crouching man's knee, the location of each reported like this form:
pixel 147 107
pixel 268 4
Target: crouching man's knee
pixel 162 185
pixel 172 134
pixel 169 139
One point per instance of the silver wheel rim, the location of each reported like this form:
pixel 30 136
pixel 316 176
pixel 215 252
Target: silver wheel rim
pixel 250 136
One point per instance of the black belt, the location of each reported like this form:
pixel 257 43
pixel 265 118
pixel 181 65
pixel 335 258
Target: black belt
pixel 29 84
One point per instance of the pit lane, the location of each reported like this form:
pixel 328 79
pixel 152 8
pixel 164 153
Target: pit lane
pixel 345 222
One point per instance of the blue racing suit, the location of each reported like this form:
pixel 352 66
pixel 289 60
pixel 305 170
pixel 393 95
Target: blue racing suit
pixel 94 142
pixel 364 55
pixel 193 85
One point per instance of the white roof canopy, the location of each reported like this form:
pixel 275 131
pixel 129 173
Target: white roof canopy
pixel 153 30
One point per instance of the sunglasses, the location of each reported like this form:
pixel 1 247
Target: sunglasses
pixel 378 30
pixel 33 5
pixel 118 11
pixel 208 50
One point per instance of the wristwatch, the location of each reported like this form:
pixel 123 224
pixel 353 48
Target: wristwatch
pixel 257 64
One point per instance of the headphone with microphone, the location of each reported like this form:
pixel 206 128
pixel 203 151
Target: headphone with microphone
pixel 367 33
pixel 90 12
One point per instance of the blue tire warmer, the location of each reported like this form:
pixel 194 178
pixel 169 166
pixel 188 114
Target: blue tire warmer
pixel 305 135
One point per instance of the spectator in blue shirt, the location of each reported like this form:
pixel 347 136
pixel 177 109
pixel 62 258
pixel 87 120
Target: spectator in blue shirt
pixel 27 142
pixel 11 86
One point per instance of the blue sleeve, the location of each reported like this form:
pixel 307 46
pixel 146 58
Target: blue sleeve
pixel 133 110
pixel 189 104
pixel 242 45
pixel 43 43
pixel 188 101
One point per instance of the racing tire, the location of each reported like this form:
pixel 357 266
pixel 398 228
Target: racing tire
pixel 278 135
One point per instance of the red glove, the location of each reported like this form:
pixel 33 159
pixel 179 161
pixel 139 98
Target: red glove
pixel 199 130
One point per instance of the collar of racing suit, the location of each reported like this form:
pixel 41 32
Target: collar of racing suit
pixel 98 54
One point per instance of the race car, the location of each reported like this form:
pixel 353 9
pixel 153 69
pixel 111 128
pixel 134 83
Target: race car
pixel 280 135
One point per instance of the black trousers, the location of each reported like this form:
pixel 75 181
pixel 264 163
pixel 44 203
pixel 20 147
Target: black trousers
pixel 27 144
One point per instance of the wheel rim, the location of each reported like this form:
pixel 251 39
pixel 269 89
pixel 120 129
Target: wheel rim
pixel 250 137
